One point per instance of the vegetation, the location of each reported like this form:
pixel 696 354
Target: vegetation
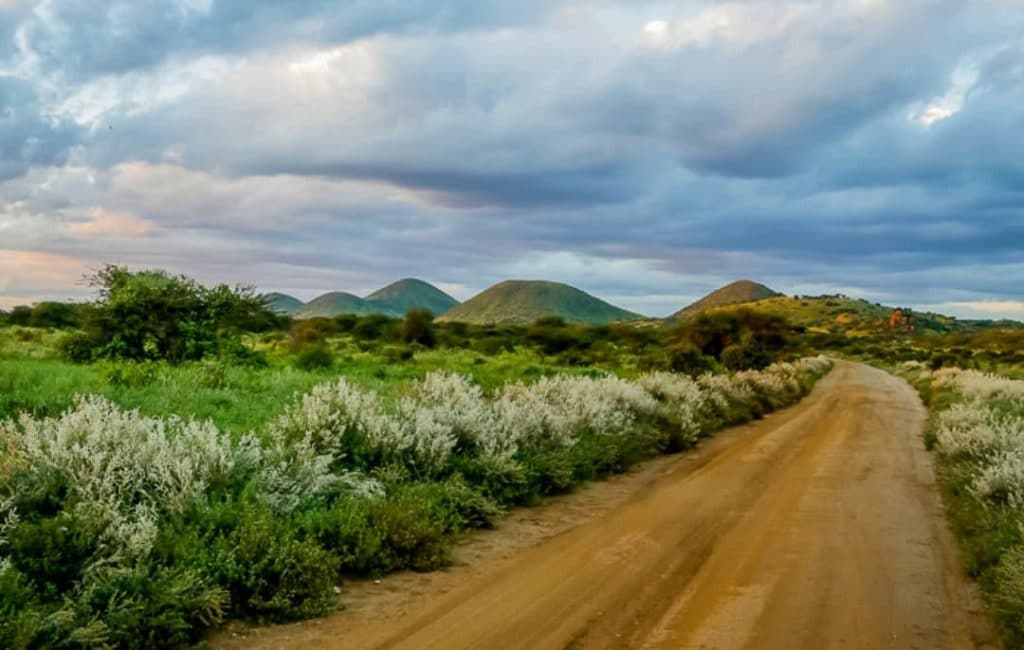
pixel 128 530
pixel 977 432
pixel 520 302
pixel 173 455
pixel 151 315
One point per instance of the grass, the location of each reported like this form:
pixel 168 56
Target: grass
pixel 240 398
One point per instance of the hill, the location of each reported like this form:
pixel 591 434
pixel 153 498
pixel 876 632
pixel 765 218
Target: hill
pixel 410 293
pixel 282 303
pixel 741 291
pixel 839 314
pixel 393 300
pixel 523 301
pixel 336 303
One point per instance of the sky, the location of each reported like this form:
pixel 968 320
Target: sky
pixel 645 151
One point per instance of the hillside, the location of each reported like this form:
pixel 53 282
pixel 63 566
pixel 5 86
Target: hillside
pixel 336 303
pixel 741 291
pixel 393 300
pixel 410 293
pixel 282 303
pixel 838 314
pixel 523 301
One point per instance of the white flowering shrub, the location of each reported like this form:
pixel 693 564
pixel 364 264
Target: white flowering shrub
pixel 983 426
pixel 117 470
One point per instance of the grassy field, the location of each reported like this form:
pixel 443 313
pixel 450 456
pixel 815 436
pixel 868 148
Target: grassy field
pixel 236 397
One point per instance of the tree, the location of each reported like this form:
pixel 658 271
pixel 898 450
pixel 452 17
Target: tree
pixel 20 315
pixel 53 314
pixel 418 327
pixel 154 315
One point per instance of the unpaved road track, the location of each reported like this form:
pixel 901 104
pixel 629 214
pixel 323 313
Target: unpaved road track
pixel 819 527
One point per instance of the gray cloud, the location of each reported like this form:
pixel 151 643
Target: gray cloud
pixel 867 147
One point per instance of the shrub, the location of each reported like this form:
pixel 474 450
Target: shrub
pixel 147 315
pixel 418 328
pixel 315 357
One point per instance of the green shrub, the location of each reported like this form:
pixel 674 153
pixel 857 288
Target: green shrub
pixel 315 357
pixel 418 328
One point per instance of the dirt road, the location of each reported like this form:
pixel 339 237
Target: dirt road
pixel 818 527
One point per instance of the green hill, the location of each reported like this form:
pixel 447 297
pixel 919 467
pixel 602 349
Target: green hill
pixel 839 314
pixel 523 301
pixel 336 303
pixel 393 300
pixel 282 303
pixel 741 291
pixel 410 293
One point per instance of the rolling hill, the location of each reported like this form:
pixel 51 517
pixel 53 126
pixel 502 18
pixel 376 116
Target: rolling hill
pixel 741 291
pixel 336 303
pixel 410 293
pixel 282 303
pixel 853 317
pixel 393 300
pixel 523 301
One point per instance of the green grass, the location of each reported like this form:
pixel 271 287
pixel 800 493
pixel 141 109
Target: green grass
pixel 238 398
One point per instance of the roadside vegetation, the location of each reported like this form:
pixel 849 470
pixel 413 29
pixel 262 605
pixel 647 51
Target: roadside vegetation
pixel 172 456
pixel 977 432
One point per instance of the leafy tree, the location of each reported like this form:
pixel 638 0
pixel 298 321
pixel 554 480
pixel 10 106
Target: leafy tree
pixel 54 314
pixel 155 315
pixel 20 315
pixel 418 327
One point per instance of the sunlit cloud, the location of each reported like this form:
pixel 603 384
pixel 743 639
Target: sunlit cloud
pixel 645 151
pixel 107 223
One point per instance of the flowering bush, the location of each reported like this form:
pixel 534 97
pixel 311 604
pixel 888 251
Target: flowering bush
pixel 121 529
pixel 978 430
pixel 986 426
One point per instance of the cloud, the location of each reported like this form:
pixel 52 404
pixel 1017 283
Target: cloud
pixel 106 223
pixel 991 309
pixel 645 151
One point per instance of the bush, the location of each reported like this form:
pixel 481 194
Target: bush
pixel 734 357
pixel 418 328
pixel 315 357
pixel 148 315
pixel 688 360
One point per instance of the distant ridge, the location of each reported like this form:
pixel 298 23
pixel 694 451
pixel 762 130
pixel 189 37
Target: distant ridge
pixel 282 303
pixel 393 300
pixel 737 292
pixel 523 301
pixel 336 303
pixel 410 293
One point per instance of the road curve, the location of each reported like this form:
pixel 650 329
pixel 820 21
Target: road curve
pixel 818 527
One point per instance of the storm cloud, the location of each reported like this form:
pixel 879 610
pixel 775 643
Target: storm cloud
pixel 644 151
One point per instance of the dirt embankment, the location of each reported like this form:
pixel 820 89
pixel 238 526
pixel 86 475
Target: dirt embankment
pixel 818 527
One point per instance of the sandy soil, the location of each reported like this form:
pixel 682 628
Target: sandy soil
pixel 818 527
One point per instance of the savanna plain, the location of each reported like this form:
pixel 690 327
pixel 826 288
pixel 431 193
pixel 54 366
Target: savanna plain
pixel 184 465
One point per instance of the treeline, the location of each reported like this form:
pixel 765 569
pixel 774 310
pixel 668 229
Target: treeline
pixel 59 315
pixel 156 316
pixel 737 340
